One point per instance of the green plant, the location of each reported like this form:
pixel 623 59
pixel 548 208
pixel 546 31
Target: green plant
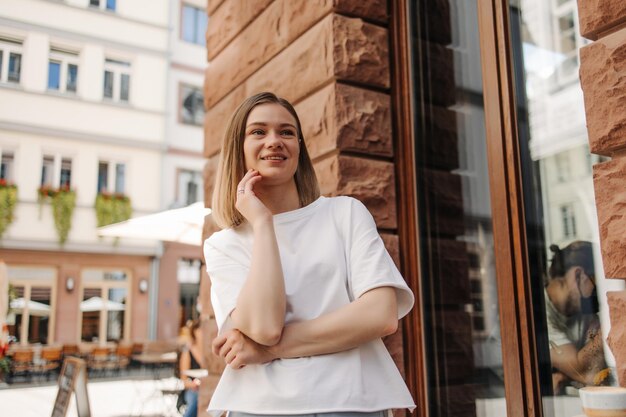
pixel 112 208
pixel 63 204
pixel 8 200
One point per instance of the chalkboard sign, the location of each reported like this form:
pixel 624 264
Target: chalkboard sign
pixel 73 378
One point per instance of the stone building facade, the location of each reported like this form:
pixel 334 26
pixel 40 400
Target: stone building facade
pixel 603 79
pixel 338 62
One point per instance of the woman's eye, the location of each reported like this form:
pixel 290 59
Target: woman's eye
pixel 257 132
pixel 288 133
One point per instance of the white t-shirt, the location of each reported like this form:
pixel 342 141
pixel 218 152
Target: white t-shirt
pixel 331 253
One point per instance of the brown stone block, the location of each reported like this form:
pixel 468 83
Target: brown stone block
pixel 609 179
pixel 276 27
pixel 442 91
pixel 346 118
pixel 212 5
pixel 439 27
pixel 617 334
pixel 216 120
pixel 392 244
pixel 449 265
pixel 361 52
pixel 444 199
pixel 394 346
pixel 229 20
pixel 371 9
pixel 370 181
pixel 442 147
pixel 598 16
pixel 602 69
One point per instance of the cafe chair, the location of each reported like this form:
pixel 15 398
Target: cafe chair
pixel 22 364
pixel 122 357
pixel 50 361
pixel 99 361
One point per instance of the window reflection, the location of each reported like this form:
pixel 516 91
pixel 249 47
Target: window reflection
pixel 464 358
pixel 571 321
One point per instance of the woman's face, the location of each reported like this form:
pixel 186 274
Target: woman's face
pixel 271 145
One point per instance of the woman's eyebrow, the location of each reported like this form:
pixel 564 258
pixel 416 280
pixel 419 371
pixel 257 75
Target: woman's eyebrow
pixel 266 124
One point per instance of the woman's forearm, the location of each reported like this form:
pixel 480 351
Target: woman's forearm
pixel 372 316
pixel 261 305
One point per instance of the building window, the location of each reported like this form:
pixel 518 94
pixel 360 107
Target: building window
pixel 103 306
pixel 193 25
pixel 567 39
pixel 568 219
pixel 191 105
pixel 111 176
pixel 7 168
pixel 62 71
pixel 50 166
pixel 103 4
pixel 116 80
pixel 562 166
pixel 10 61
pixel 189 187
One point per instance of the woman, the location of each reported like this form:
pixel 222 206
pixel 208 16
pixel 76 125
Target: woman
pixel 191 358
pixel 302 287
pixel 576 349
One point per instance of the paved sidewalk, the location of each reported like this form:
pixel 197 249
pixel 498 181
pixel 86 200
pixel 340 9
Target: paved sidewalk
pixel 119 398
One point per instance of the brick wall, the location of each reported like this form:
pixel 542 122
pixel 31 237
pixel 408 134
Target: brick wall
pixel 603 80
pixel 330 58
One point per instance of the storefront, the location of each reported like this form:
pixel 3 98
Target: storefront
pixel 461 125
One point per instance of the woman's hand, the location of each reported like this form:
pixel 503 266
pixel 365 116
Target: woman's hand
pixel 248 204
pixel 238 350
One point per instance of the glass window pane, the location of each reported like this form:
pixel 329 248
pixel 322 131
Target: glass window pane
pixel 39 314
pixel 192 109
pixel 47 170
pixel 111 5
pixel 16 308
pixel 54 75
pixel 103 176
pixel 116 307
pixel 201 25
pixel 94 3
pixel 125 87
pixel 567 278
pixel 15 66
pixel 120 174
pixel 189 23
pixel 6 167
pixel 465 374
pixel 108 84
pixel 66 173
pixel 91 308
pixel 72 77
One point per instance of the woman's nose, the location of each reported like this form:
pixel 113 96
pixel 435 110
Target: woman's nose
pixel 274 139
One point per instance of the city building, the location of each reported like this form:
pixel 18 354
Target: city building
pixel 100 118
pixel 461 126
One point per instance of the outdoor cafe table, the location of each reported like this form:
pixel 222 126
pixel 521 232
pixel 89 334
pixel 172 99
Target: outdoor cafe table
pixel 155 360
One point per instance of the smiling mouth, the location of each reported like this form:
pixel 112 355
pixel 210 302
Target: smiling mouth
pixel 274 158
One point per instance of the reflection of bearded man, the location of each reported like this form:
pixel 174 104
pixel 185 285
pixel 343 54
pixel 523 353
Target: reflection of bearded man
pixel 576 349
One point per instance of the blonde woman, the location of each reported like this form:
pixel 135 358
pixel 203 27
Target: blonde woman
pixel 302 286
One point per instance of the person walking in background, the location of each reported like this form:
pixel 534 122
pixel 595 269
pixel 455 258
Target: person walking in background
pixel 303 288
pixel 191 358
pixel 576 348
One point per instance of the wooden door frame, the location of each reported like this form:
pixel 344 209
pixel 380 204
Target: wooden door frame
pixel 519 353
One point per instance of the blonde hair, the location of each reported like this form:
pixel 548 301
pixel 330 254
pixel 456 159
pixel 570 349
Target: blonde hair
pixel 231 167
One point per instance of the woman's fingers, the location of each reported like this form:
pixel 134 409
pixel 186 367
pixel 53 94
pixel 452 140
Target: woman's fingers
pixel 218 342
pixel 242 184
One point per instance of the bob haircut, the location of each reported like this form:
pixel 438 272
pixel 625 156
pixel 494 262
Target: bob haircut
pixel 231 168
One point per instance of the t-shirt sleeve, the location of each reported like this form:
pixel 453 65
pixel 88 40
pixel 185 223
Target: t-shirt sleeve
pixel 370 264
pixel 227 275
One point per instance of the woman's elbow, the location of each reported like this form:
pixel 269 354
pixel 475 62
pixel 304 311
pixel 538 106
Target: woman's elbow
pixel 267 337
pixel 390 326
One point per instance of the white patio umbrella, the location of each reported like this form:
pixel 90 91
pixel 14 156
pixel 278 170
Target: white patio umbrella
pixel 183 225
pixel 97 304
pixel 19 305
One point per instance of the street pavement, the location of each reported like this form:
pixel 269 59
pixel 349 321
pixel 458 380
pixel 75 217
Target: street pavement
pixel 112 398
